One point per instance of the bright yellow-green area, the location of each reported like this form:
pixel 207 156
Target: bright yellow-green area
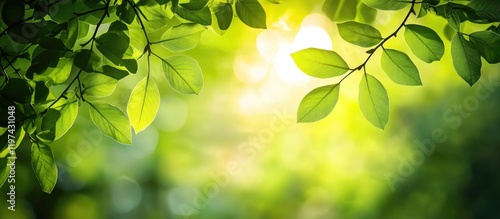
pixel 236 150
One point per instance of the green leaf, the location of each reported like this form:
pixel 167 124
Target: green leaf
pixel 318 103
pixel 489 9
pixel 12 12
pixel 488 44
pixel 365 13
pixel 466 59
pixel 143 104
pixel 44 166
pixel 41 92
pixel 194 5
pixel 111 121
pixel 42 61
pixel 454 20
pixel 182 37
pixel 98 85
pixel 50 119
pixel 203 16
pixel 86 60
pixel 320 63
pixel 17 90
pixel 373 101
pixel 340 10
pixel 69 111
pixel 224 15
pixel 183 73
pixel 251 13
pixel 113 45
pixel 387 4
pixel 424 43
pixel 64 12
pixel 130 65
pixel 52 44
pixel 359 34
pixel 399 67
pixel 114 72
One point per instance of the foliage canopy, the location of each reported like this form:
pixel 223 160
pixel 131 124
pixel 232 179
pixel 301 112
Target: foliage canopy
pixel 87 47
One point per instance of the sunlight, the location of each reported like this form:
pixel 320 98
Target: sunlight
pixel 308 36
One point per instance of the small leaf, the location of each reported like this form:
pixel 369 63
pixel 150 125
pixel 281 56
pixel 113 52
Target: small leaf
pixel 453 20
pixel 340 10
pixel 387 4
pixel 251 13
pixel 183 73
pixel 488 44
pixel 85 59
pixel 41 92
pixel 69 112
pixel 194 5
pixel 111 121
pixel 113 45
pixel 366 14
pixel 143 104
pixel 203 16
pixel 114 72
pixel 466 59
pixel 44 166
pixel 98 85
pixel 52 44
pixel 224 15
pixel 318 103
pixel 489 9
pixel 12 12
pixel 182 37
pixel 399 67
pixel 374 101
pixel 17 90
pixel 359 34
pixel 320 63
pixel 424 43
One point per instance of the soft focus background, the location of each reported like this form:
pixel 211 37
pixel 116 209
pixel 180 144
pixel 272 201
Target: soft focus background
pixel 236 151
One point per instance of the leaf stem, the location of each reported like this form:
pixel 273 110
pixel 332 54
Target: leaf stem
pixel 381 44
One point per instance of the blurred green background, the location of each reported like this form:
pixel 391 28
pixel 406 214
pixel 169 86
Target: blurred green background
pixel 236 151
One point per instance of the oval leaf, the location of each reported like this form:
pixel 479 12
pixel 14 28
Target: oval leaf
pixel 183 73
pixel 359 34
pixel 387 4
pixel 399 67
pixel 182 37
pixel 143 104
pixel 466 59
pixel 44 166
pixel 488 44
pixel 98 85
pixel 111 121
pixel 373 101
pixel 318 103
pixel 251 13
pixel 203 16
pixel 69 112
pixel 424 43
pixel 12 12
pixel 113 45
pixel 320 63
pixel 224 15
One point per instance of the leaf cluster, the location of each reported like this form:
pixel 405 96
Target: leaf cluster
pixel 87 47
pixel 354 20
